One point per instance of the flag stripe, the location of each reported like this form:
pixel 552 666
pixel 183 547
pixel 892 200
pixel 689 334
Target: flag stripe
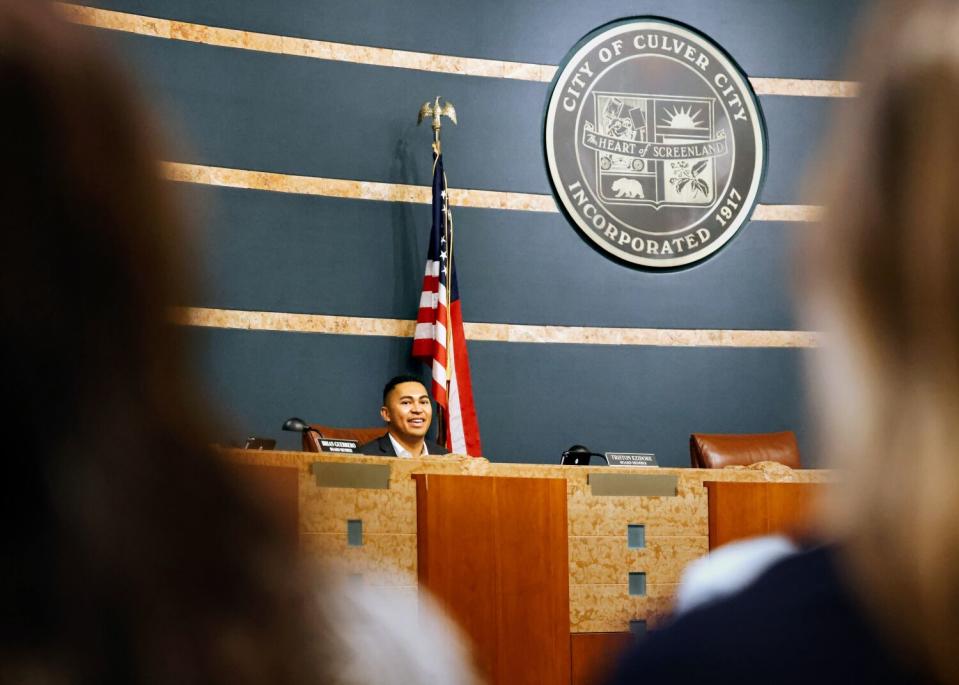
pixel 457 436
pixel 468 423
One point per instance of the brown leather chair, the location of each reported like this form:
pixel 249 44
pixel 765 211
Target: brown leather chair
pixel 714 451
pixel 361 435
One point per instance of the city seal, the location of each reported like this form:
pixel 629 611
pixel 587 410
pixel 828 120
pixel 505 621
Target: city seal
pixel 655 142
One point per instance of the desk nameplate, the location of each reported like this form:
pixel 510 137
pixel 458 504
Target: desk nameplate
pixel 632 485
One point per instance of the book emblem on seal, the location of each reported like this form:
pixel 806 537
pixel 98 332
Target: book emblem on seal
pixel 655 143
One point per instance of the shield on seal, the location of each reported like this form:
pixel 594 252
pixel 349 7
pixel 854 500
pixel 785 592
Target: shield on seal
pixel 627 179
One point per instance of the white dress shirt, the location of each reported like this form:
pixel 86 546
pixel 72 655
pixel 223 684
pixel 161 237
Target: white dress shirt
pixel 403 452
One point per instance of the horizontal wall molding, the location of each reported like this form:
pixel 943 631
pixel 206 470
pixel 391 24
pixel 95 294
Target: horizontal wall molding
pixel 805 213
pixel 399 192
pixel 356 190
pixel 494 332
pixel 800 87
pixel 386 57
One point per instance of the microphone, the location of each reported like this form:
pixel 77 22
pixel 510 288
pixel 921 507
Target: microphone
pixel 578 455
pixel 300 426
pixel 296 425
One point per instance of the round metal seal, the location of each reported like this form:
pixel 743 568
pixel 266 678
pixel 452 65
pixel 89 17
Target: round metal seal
pixel 655 143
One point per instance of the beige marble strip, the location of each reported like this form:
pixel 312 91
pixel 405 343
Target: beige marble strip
pixel 358 190
pixel 286 183
pixel 655 337
pixel 804 87
pixel 291 323
pixel 303 47
pixel 580 335
pixel 384 57
pixel 398 192
pixel 804 213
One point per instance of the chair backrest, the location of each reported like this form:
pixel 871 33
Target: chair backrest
pixel 361 435
pixel 714 451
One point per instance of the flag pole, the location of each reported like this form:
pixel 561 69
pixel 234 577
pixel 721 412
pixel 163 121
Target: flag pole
pixel 436 112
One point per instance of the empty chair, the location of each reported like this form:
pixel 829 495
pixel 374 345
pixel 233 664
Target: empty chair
pixel 716 450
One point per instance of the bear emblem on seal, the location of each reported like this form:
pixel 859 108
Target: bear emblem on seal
pixel 628 187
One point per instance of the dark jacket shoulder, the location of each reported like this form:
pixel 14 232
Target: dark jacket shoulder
pixel 797 623
pixel 383 447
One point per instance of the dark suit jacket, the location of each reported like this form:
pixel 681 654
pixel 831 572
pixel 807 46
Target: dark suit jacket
pixel 383 447
pixel 802 606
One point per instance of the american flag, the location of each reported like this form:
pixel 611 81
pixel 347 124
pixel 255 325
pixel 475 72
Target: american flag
pixel 439 339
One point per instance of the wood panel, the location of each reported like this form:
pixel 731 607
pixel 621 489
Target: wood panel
pixel 744 510
pixel 494 552
pixel 593 655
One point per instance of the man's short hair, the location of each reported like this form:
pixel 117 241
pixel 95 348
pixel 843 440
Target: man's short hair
pixel 396 380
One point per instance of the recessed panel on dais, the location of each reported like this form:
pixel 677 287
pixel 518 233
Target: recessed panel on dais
pixel 655 142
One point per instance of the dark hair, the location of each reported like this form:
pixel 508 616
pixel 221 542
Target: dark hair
pixel 396 380
pixel 129 552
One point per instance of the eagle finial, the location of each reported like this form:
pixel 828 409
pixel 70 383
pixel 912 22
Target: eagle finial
pixel 435 110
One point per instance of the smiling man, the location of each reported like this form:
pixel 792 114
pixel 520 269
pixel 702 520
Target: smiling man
pixel 408 413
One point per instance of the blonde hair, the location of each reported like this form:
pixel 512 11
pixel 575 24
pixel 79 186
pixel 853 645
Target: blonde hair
pixel 883 274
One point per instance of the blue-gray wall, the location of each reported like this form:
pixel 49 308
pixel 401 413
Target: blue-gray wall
pixel 266 251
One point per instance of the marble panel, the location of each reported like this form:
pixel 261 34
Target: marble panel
pixel 608 560
pixel 685 515
pixel 610 608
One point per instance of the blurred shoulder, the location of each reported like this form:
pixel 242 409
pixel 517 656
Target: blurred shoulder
pixel 393 636
pixel 796 622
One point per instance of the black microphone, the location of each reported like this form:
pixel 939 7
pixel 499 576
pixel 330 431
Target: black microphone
pixel 298 426
pixel 578 455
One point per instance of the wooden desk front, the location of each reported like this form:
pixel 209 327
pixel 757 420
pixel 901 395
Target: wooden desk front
pixel 493 552
pixel 676 528
pixel 744 510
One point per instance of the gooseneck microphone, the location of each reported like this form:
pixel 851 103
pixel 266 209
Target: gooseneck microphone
pixel 299 426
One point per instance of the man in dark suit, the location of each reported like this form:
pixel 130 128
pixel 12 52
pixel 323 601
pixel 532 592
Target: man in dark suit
pixel 408 413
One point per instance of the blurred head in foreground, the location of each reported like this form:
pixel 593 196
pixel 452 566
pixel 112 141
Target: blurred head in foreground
pixel 883 275
pixel 128 553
